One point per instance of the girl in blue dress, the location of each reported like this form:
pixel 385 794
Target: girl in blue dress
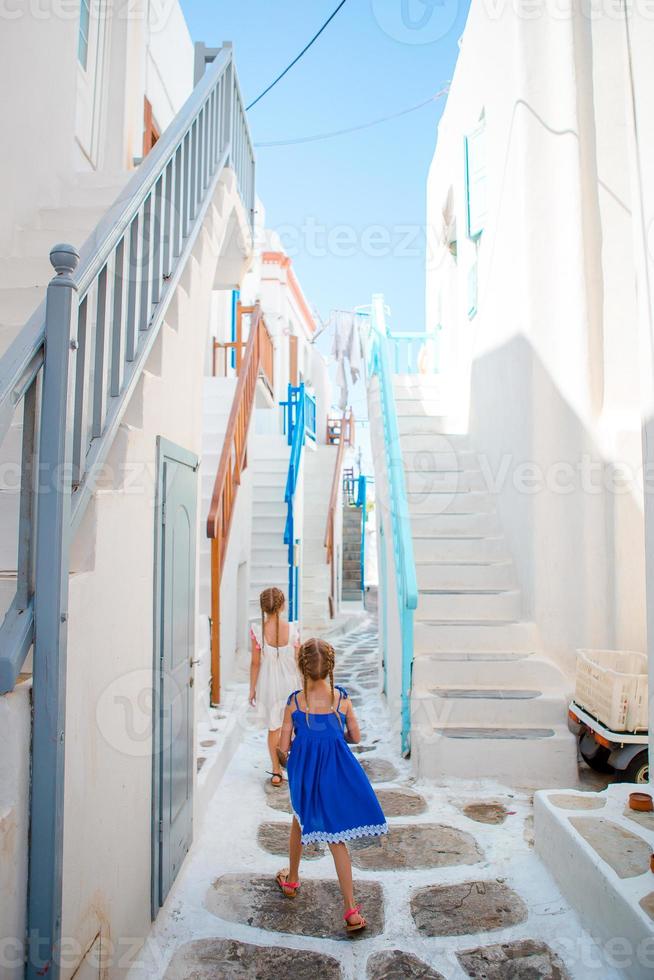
pixel 331 796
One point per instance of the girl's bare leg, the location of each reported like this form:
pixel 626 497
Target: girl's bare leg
pixel 294 851
pixel 343 866
pixel 273 742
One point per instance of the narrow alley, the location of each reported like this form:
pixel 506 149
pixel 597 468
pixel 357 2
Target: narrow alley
pixel 454 891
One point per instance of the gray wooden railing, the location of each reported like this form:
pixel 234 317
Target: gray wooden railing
pixel 127 273
pixel 72 371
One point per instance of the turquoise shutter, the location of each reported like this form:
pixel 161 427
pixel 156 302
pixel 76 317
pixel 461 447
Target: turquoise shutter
pixel 475 164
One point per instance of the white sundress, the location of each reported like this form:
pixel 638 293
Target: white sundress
pixel 278 677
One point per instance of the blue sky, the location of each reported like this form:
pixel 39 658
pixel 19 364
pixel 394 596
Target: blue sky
pixel 351 210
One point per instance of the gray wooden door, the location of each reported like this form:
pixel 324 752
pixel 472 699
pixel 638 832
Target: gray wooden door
pixel 174 655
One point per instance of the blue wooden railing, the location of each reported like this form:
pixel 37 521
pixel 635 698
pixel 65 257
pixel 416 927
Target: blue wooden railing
pixel 72 371
pixel 361 501
pixel 299 425
pixel 379 365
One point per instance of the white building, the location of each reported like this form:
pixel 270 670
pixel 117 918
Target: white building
pixel 538 276
pixel 167 245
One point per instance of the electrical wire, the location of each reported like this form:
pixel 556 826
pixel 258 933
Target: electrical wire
pixel 356 129
pixel 295 60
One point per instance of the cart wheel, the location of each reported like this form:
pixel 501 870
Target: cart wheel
pixel 599 760
pixel 637 771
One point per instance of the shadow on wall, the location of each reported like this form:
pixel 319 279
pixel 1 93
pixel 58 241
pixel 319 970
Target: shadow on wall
pixel 573 519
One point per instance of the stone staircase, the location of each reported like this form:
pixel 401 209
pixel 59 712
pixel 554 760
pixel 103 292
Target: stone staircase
pixel 269 553
pixel 318 475
pixel 352 530
pixel 486 702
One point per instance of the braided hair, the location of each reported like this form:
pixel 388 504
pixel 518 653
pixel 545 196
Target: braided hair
pixel 272 602
pixel 316 660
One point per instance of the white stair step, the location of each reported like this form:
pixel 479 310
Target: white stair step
pixel 450 525
pixel 488 708
pixel 529 757
pixel 444 481
pixel 467 502
pixel 459 549
pixel 409 425
pixel 425 460
pixel 269 508
pixel 434 442
pixel 442 636
pixel 468 606
pixel 488 669
pixel 271 494
pixel 465 575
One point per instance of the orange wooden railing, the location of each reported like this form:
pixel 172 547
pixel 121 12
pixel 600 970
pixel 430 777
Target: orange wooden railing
pixel 340 432
pixel 254 360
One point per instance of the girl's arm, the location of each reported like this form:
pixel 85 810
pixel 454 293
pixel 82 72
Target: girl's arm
pixel 353 732
pixel 286 732
pixel 255 667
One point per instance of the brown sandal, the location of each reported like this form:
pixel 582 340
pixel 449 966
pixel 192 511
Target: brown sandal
pixel 288 888
pixel 276 778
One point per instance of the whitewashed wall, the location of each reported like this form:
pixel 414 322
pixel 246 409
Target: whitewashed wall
pixel 546 372
pixel 145 49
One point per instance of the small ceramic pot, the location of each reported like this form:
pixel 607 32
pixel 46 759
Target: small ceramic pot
pixel 641 801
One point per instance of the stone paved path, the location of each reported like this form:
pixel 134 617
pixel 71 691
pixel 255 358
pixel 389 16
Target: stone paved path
pixel 456 890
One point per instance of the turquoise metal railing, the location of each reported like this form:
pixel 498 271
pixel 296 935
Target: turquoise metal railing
pixel 361 501
pixel 299 425
pixel 379 364
pixel 72 371
pixel 413 351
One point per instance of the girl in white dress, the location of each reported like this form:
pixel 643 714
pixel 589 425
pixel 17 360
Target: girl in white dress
pixel 273 670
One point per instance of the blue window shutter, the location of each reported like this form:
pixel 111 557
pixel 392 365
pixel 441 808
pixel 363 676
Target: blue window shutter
pixel 475 164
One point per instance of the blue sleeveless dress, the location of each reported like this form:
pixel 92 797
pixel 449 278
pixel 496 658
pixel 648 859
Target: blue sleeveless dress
pixel 331 796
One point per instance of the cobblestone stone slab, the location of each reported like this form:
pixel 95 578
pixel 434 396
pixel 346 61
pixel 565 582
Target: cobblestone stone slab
pixel 471 907
pixel 395 964
pixel 273 837
pixel 317 910
pixel 418 846
pixel 277 797
pixel 379 770
pixel 211 959
pixel 491 813
pixel 567 801
pixel 623 851
pixel 523 960
pixel 401 802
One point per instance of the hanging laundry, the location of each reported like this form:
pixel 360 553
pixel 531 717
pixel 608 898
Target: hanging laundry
pixel 346 346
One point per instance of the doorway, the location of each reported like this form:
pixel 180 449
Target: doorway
pixel 174 654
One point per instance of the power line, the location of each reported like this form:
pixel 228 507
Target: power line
pixel 295 60
pixel 355 129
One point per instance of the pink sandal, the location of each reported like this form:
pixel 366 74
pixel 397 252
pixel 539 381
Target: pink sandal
pixel 288 888
pixel 355 927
